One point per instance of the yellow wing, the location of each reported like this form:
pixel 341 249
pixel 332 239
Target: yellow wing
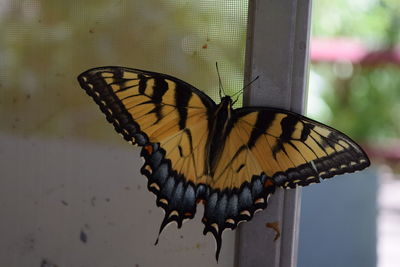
pixel 289 148
pixel 169 119
pixel 269 147
pixel 148 107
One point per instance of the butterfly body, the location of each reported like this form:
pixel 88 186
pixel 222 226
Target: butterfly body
pixel 231 160
pixel 219 129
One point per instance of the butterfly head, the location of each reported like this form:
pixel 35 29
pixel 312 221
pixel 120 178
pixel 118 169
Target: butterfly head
pixel 226 101
pixel 224 109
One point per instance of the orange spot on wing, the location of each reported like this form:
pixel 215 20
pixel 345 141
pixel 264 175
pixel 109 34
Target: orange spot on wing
pixel 268 183
pixel 149 149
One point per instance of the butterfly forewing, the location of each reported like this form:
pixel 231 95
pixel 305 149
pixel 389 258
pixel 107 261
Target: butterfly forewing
pixel 163 109
pixel 290 148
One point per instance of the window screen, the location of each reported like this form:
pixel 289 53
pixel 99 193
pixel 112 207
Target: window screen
pixel 46 44
pixel 66 173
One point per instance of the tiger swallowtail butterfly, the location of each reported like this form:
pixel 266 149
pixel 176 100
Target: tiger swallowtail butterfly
pixel 229 159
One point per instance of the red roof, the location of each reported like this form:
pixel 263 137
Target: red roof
pixel 355 51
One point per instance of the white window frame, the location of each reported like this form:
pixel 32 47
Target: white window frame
pixel 277 51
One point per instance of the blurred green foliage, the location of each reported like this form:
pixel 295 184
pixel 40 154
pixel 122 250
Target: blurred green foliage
pixel 374 21
pixel 365 104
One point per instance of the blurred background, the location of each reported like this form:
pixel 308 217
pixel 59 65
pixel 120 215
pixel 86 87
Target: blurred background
pixel 70 189
pixel 354 86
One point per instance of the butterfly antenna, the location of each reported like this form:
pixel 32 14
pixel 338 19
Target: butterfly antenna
pixel 221 89
pixel 242 90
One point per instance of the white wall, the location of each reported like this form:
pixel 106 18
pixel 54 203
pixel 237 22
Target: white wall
pixel 51 190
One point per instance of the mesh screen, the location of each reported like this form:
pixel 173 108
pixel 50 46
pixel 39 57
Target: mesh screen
pixel 46 44
pixel 65 173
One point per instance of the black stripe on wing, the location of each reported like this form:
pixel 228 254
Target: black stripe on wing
pixel 111 105
pixel 349 158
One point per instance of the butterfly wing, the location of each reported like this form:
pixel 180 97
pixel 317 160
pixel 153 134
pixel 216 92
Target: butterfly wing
pixel 268 148
pixel 295 150
pixel 169 119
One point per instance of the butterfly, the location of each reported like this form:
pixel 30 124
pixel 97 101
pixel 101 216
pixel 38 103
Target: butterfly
pixel 197 151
